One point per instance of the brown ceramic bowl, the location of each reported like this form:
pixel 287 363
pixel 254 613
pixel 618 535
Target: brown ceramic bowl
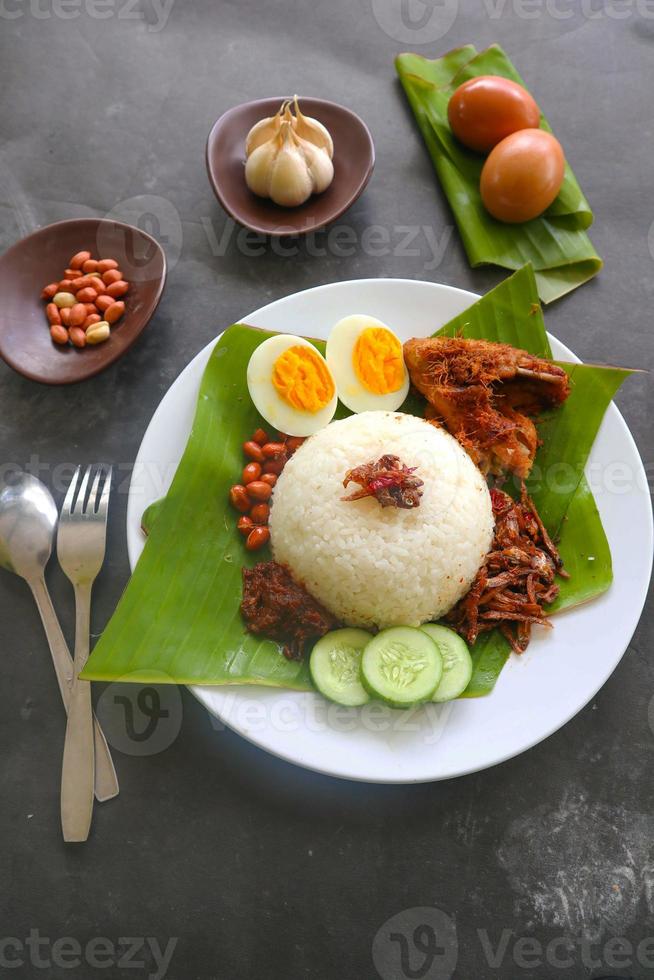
pixel 26 267
pixel 354 159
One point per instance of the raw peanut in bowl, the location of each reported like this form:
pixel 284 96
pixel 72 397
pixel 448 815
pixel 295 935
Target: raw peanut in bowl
pixel 111 275
pixel 83 306
pixel 78 314
pixel 77 337
pixel 79 259
pixel 105 264
pixel 59 333
pixel 63 298
pixel 52 313
pixel 104 302
pixel 114 312
pixel 117 289
pixel 97 333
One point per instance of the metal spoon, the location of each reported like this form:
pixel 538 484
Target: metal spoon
pixel 28 519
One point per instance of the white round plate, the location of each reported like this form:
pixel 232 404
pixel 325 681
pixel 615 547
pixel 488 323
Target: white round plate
pixel 536 693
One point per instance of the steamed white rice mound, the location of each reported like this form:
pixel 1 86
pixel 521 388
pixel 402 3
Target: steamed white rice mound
pixel 382 566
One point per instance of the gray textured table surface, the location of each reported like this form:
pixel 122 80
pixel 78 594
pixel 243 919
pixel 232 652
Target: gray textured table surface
pixel 235 863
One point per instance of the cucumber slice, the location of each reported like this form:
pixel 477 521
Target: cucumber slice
pixel 457 662
pixel 402 666
pixel 334 665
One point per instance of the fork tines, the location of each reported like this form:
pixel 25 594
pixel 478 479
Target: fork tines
pixel 95 504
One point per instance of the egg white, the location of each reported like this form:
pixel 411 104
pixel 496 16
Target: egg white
pixel 340 349
pixel 268 402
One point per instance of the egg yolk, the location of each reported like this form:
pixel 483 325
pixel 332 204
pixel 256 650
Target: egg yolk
pixel 302 379
pixel 378 361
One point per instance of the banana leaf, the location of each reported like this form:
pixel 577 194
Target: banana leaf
pixel 555 243
pixel 179 616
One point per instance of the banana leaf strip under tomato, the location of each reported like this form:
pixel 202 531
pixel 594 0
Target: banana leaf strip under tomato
pixel 556 243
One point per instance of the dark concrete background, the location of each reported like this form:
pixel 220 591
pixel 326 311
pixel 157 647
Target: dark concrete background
pixel 258 868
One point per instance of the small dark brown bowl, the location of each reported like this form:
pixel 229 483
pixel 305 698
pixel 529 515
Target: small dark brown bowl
pixel 354 159
pixel 41 258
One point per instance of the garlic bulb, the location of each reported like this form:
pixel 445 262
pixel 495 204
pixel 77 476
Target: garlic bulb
pixel 287 168
pixel 313 131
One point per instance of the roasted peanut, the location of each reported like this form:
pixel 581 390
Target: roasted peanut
pixel 91 308
pixel 78 315
pixel 104 302
pixel 97 284
pixel 239 499
pixel 269 478
pixel 293 443
pixel 64 313
pixel 79 259
pixel 86 295
pixel 52 313
pixel 65 286
pixel 97 333
pixel 91 319
pixel 273 450
pixel 50 290
pixel 259 491
pixel 63 298
pixel 77 337
pixel 117 289
pixel 81 282
pixel 257 538
pixel 253 450
pixel 111 275
pixel 114 312
pixel 244 524
pixel 90 265
pixel 251 472
pixel 105 264
pixel 59 334
pixel 260 436
pixel 260 514
pixel 273 466
pixel 71 273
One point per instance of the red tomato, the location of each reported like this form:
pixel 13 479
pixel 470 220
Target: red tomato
pixel 522 175
pixel 484 110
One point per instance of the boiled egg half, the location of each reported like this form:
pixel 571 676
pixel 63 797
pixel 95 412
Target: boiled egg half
pixel 291 385
pixel 367 362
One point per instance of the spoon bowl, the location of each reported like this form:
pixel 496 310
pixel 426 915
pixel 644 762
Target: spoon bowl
pixel 28 518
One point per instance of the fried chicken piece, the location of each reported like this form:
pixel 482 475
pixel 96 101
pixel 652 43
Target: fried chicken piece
pixel 484 393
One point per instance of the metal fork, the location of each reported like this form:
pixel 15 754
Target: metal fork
pixel 81 540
